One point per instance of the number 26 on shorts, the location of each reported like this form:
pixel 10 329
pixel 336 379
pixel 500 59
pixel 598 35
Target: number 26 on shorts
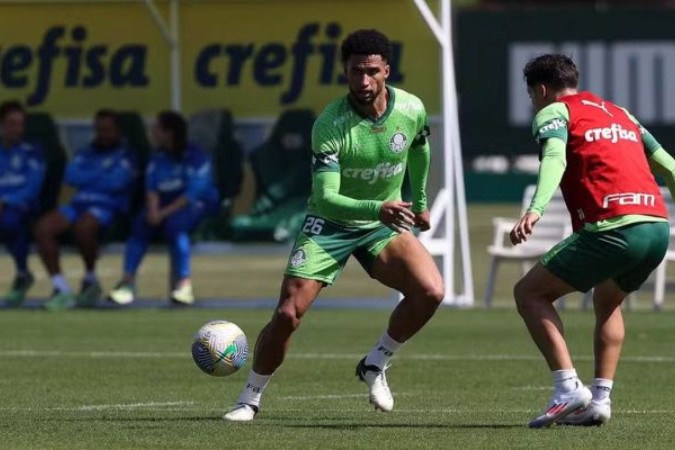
pixel 313 225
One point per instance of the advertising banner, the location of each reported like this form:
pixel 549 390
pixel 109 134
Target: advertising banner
pixel 253 57
pixel 627 56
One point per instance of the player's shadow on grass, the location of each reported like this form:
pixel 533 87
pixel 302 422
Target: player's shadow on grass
pixel 357 426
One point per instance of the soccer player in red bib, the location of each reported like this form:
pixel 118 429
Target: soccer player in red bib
pixel 603 160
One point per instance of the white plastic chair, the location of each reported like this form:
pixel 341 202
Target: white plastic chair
pixel 553 226
pixel 660 273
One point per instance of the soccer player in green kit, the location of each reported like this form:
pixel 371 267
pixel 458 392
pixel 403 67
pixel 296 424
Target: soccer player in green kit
pixel 604 162
pixel 362 144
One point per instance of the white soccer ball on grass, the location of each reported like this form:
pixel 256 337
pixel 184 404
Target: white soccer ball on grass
pixel 220 348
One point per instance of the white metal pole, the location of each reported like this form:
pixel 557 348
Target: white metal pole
pixel 159 20
pixel 456 145
pixel 462 213
pixel 453 175
pixel 442 34
pixel 448 169
pixel 171 34
pixel 176 87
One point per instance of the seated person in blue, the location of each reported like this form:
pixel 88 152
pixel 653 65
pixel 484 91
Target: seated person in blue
pixel 102 175
pixel 22 172
pixel 179 193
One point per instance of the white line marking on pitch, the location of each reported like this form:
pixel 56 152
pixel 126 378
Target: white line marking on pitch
pixel 334 396
pixel 97 354
pixel 331 356
pixel 513 411
pixel 322 397
pixel 183 406
pixel 532 388
pixel 502 357
pixel 124 406
pixel 103 407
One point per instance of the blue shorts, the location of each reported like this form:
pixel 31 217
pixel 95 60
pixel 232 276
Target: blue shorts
pixel 74 211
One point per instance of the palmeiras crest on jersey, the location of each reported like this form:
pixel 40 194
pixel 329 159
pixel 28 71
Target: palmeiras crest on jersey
pixel 299 258
pixel 398 142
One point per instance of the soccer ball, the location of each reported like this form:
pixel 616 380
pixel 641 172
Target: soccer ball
pixel 220 348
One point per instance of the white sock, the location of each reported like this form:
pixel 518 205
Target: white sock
pixel 255 385
pixel 565 380
pixel 601 388
pixel 382 352
pixel 90 277
pixel 60 283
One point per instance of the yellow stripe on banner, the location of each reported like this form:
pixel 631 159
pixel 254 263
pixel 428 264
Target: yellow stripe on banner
pixel 254 58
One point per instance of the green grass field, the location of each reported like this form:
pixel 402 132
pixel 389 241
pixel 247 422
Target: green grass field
pixel 471 379
pixel 242 276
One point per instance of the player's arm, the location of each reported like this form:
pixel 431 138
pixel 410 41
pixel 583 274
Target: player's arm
pixel 551 171
pixel 419 160
pixel 326 180
pixel 176 205
pixel 77 175
pixel 663 164
pixel 199 182
pixel 29 192
pixel 152 194
pixel 200 179
pixel 152 206
pixel 328 200
pixel 550 131
pixel 660 161
pixel 326 188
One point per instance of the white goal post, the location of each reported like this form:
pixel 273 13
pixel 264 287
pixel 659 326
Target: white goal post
pixel 448 211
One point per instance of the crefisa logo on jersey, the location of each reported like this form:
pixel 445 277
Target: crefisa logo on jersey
pixel 298 258
pixel 398 142
pixel 613 133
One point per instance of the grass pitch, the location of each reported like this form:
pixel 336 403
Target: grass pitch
pixel 471 379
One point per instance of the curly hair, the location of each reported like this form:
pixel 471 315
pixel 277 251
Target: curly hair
pixel 10 106
pixel 555 70
pixel 366 42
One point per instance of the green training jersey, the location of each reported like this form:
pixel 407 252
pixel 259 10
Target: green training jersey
pixel 370 156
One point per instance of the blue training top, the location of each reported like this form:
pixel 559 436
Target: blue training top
pixel 190 175
pixel 22 172
pixel 102 177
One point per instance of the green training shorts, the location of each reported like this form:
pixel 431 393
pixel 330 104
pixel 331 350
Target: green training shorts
pixel 322 248
pixel 626 255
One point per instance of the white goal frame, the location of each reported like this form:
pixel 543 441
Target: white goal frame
pixel 449 206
